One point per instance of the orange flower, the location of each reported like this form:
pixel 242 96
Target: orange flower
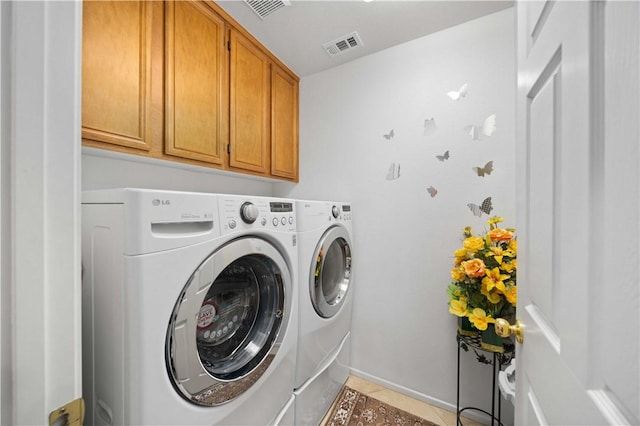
pixel 474 268
pixel 499 234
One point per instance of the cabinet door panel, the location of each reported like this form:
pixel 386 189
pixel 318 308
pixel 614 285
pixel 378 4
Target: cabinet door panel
pixel 284 124
pixel 249 124
pixel 116 72
pixel 195 98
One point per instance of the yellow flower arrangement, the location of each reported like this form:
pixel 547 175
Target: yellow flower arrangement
pixel 483 285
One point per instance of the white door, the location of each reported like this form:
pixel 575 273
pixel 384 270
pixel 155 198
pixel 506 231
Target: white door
pixel 578 213
pixel 40 209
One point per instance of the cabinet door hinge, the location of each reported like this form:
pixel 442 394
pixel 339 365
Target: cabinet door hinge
pixel 229 45
pixel 228 148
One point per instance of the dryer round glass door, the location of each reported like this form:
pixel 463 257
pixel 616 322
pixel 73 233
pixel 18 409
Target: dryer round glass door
pixel 331 272
pixel 225 326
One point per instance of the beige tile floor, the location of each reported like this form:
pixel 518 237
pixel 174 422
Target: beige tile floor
pixel 411 405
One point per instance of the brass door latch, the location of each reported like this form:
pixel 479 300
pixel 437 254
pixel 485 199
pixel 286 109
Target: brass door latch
pixel 71 414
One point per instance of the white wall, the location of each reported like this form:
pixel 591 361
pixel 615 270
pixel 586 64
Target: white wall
pixel 101 169
pixel 403 335
pixel 404 239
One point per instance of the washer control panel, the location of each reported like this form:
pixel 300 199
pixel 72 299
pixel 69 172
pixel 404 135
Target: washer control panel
pixel 340 212
pixel 240 213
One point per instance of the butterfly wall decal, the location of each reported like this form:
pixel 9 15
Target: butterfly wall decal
pixel 486 170
pixel 485 129
pixel 394 171
pixel 484 207
pixel 461 93
pixel 444 156
pixel 429 126
pixel 389 135
pixel 432 191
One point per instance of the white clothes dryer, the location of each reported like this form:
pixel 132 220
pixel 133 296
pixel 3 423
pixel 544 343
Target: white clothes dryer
pixel 326 300
pixel 189 307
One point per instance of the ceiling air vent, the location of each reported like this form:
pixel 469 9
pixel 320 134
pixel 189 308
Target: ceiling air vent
pixel 342 44
pixel 264 8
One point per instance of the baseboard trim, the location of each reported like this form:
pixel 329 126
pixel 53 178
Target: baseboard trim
pixel 417 395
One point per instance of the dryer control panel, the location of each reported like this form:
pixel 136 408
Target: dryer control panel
pixel 320 214
pixel 244 213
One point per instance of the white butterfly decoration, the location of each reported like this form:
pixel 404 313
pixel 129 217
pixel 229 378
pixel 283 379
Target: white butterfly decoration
pixel 389 135
pixel 432 191
pixel 394 171
pixel 429 126
pixel 485 129
pixel 486 170
pixel 456 95
pixel 444 156
pixel 484 207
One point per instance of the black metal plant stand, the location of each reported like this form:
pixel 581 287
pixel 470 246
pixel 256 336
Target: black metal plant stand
pixel 497 361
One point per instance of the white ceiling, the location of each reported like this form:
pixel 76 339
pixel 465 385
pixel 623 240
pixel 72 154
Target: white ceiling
pixel 296 33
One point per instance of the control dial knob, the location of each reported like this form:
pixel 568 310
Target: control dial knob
pixel 248 212
pixel 335 211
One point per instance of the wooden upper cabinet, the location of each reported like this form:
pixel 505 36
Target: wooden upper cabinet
pixel 182 81
pixel 195 82
pixel 249 106
pixel 284 124
pixel 119 97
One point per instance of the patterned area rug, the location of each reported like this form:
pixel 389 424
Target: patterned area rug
pixel 355 409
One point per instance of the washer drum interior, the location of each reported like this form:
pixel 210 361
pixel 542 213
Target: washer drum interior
pixel 228 322
pixel 330 275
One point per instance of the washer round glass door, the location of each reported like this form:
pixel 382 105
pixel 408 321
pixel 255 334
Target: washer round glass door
pixel 228 321
pixel 330 272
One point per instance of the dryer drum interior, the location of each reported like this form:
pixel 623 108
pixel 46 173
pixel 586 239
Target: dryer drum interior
pixel 331 272
pixel 225 327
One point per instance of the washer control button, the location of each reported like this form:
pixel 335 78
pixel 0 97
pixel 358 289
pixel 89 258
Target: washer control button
pixel 283 220
pixel 275 221
pixel 263 221
pixel 290 220
pixel 232 224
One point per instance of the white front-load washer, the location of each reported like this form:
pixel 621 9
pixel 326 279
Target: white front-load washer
pixel 326 300
pixel 189 308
